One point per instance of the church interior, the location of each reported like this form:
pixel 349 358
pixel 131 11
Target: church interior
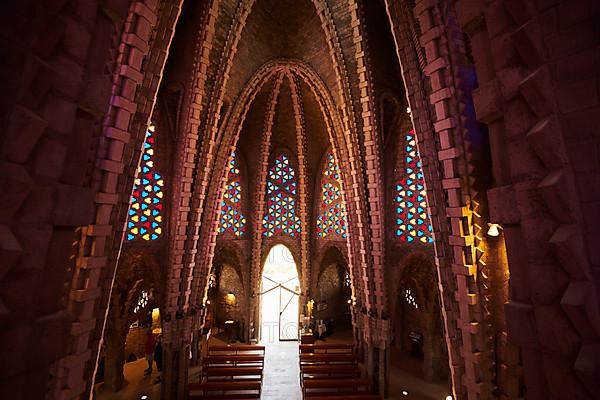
pixel 300 199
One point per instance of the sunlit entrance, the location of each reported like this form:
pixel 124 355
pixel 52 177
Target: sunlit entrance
pixel 280 288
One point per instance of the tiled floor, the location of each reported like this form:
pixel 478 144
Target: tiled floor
pixel 281 379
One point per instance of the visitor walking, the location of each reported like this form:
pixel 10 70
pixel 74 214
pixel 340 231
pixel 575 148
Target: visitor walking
pixel 149 350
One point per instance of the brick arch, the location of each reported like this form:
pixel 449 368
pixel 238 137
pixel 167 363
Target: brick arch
pixel 331 117
pixel 331 251
pixel 356 189
pixel 231 253
pixel 417 270
pixel 418 273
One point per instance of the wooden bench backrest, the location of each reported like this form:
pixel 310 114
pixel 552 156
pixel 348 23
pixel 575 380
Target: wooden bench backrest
pixel 318 369
pixel 326 358
pixel 327 348
pixel 232 371
pixel 233 359
pixel 238 349
pixel 225 386
pixel 337 383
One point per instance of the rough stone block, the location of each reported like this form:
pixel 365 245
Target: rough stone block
pixel 23 132
pixel 549 281
pixel 60 114
pixel 487 101
pixel 556 332
pixel 10 250
pixel 74 206
pixel 527 40
pixel 469 14
pixel 568 247
pixel 503 205
pixel 553 190
pixel 34 240
pixel 49 158
pixel 537 91
pixel 573 304
pixel 588 360
pixel 521 325
pixel 39 205
pixel 545 138
pixel 15 186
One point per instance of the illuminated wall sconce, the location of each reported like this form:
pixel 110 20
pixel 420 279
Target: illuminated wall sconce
pixel 493 230
pixel 230 299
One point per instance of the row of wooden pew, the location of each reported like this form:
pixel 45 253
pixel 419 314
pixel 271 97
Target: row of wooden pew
pixel 331 372
pixel 230 372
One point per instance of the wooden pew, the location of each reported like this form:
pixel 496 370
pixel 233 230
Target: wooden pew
pixel 225 390
pixel 237 349
pixel 211 373
pixel 327 348
pixel 335 387
pixel 234 360
pixel 328 372
pixel 326 359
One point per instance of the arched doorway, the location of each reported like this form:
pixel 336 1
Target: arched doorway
pixel 279 296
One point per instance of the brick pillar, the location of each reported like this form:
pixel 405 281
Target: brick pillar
pixel 176 351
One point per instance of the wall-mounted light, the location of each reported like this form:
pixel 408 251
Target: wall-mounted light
pixel 493 229
pixel 404 393
pixel 449 397
pixel 408 110
pixel 230 299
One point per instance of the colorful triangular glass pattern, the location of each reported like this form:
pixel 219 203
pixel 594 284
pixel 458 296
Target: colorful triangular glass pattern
pixel 412 221
pixel 232 219
pixel 144 219
pixel 332 217
pixel 280 216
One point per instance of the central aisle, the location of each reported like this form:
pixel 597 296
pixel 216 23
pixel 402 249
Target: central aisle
pixel 281 375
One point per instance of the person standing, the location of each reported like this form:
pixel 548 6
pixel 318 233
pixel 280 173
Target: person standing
pixel 158 358
pixel 149 350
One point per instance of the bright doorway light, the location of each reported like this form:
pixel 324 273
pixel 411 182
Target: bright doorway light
pixel 280 288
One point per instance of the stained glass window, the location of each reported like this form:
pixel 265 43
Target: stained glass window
pixel 412 220
pixel 281 199
pixel 232 219
pixel 410 298
pixel 332 217
pixel 145 212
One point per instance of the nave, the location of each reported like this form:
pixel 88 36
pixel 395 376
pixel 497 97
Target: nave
pixel 281 375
